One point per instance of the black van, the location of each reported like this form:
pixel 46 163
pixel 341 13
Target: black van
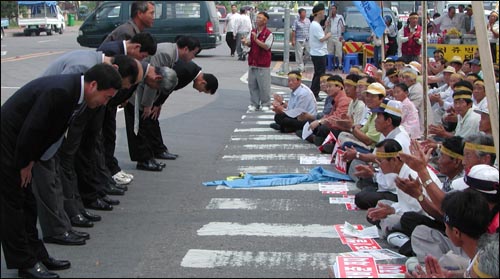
pixel 172 18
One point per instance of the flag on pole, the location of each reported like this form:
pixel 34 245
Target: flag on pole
pixel 371 12
pixel 296 7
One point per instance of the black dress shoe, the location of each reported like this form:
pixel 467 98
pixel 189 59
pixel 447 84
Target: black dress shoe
pixel 165 155
pixel 161 164
pixel 121 187
pixel 83 235
pixel 54 264
pixel 114 191
pixel 149 166
pixel 99 204
pixel 64 239
pixel 80 221
pixel 37 271
pixel 111 201
pixel 91 216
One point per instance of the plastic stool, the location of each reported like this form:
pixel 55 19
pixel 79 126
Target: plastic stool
pixel 350 59
pixel 329 62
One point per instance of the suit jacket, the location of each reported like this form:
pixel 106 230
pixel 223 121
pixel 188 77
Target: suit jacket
pixel 36 116
pixel 123 32
pixel 166 56
pixel 73 62
pixel 112 48
pixel 186 73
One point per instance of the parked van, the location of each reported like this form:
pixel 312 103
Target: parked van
pixel 356 27
pixel 172 18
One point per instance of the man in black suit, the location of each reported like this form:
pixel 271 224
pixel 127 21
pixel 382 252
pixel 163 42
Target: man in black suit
pixel 148 141
pixel 34 121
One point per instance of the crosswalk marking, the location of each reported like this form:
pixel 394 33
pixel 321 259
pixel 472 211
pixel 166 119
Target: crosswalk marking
pixel 274 146
pixel 267 137
pixel 266 229
pixel 246 157
pixel 200 258
pixel 262 204
pixel 296 187
pixel 253 130
pixel 252 204
pixel 257 122
pixel 260 116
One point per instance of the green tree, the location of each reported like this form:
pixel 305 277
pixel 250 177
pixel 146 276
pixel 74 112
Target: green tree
pixel 9 9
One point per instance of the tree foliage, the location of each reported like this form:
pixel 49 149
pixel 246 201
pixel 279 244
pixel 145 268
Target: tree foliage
pixel 9 9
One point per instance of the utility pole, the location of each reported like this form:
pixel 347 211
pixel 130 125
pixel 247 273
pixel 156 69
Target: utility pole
pixel 286 46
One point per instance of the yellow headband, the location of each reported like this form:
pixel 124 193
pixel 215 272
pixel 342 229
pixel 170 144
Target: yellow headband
pixel 462 96
pixel 386 107
pixel 350 82
pixel 479 147
pixel 335 83
pixel 324 78
pixel 394 74
pixel 414 16
pixel 294 76
pixel 450 153
pixel 479 273
pixel 386 154
pixel 462 88
pixel 457 76
pixel 479 82
pixel 362 82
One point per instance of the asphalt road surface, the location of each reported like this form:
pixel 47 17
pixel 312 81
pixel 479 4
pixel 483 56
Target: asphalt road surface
pixel 168 224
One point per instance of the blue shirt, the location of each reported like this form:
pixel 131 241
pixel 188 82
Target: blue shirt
pixel 301 100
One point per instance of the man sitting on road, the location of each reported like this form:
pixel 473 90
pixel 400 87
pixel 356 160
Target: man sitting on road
pixel 301 101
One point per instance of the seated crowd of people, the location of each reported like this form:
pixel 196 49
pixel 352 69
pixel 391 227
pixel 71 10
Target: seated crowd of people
pixel 425 195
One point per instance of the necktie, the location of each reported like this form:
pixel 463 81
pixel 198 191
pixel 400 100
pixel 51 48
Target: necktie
pixel 136 113
pixel 51 151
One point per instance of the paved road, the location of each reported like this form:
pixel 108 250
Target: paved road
pixel 169 224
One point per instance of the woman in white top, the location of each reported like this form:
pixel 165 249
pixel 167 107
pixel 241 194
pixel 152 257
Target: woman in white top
pixel 492 31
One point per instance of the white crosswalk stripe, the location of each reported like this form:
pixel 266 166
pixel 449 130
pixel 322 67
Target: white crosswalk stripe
pixel 263 229
pixel 255 148
pixel 198 258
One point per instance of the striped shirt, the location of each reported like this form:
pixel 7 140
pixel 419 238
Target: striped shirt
pixel 301 29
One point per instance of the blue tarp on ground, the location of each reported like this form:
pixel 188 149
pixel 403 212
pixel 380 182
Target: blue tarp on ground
pixel 317 174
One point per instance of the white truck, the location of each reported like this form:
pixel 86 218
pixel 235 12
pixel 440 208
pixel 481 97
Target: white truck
pixel 42 16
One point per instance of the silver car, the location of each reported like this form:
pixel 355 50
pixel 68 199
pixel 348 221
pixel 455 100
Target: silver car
pixel 276 24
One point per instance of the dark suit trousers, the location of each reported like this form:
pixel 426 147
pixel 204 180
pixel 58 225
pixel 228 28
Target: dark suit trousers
pixel 19 236
pixel 319 63
pixel 153 135
pixel 48 192
pixel 109 140
pixel 287 123
pixel 368 197
pixel 90 184
pixel 231 41
pixel 139 147
pixel 67 155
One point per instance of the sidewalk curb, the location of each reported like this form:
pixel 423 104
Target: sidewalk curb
pixel 281 79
